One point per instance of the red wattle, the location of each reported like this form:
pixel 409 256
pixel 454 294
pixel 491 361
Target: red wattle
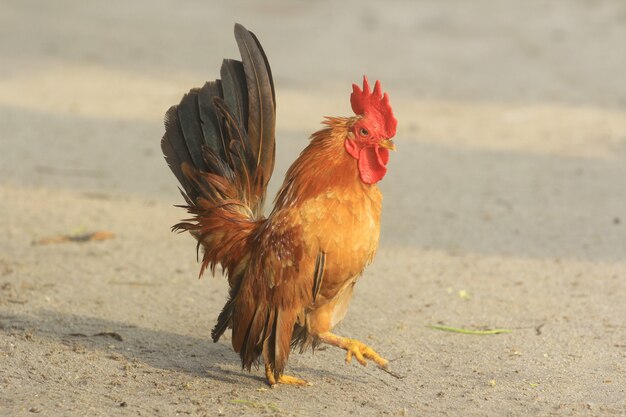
pixel 371 160
pixel 383 155
pixel 371 164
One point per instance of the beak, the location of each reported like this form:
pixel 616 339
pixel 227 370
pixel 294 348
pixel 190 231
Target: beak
pixel 387 144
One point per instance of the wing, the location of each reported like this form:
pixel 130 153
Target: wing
pixel 278 286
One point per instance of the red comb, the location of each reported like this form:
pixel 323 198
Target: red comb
pixel 374 106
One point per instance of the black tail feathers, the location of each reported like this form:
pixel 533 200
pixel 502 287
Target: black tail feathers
pixel 226 128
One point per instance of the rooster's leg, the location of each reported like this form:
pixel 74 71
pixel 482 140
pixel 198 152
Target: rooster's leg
pixel 354 348
pixel 282 379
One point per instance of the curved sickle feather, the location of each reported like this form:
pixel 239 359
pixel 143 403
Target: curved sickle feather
pixel 261 100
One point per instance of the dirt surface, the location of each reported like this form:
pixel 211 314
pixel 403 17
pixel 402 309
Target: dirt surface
pixel 505 207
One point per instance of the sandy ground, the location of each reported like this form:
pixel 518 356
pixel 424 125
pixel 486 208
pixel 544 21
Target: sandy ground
pixel 505 207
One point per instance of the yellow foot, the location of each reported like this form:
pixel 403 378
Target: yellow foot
pixel 355 348
pixel 283 379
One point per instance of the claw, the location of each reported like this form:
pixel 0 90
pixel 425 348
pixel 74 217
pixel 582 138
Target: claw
pixel 355 348
pixel 283 379
pixel 362 352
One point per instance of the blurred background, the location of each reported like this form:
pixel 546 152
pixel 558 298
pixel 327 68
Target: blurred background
pixel 512 114
pixel 504 205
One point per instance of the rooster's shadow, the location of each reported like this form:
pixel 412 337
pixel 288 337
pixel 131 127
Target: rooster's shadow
pixel 157 348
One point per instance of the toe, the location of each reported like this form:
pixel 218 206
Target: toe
pixel 292 380
pixel 359 357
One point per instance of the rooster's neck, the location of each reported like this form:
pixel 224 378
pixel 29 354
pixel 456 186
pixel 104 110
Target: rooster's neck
pixel 324 166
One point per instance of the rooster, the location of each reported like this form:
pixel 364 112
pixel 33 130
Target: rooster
pixel 290 274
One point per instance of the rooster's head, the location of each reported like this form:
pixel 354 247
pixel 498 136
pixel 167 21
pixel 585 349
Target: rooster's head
pixel 369 137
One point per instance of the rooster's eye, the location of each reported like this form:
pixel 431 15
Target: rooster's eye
pixel 364 132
